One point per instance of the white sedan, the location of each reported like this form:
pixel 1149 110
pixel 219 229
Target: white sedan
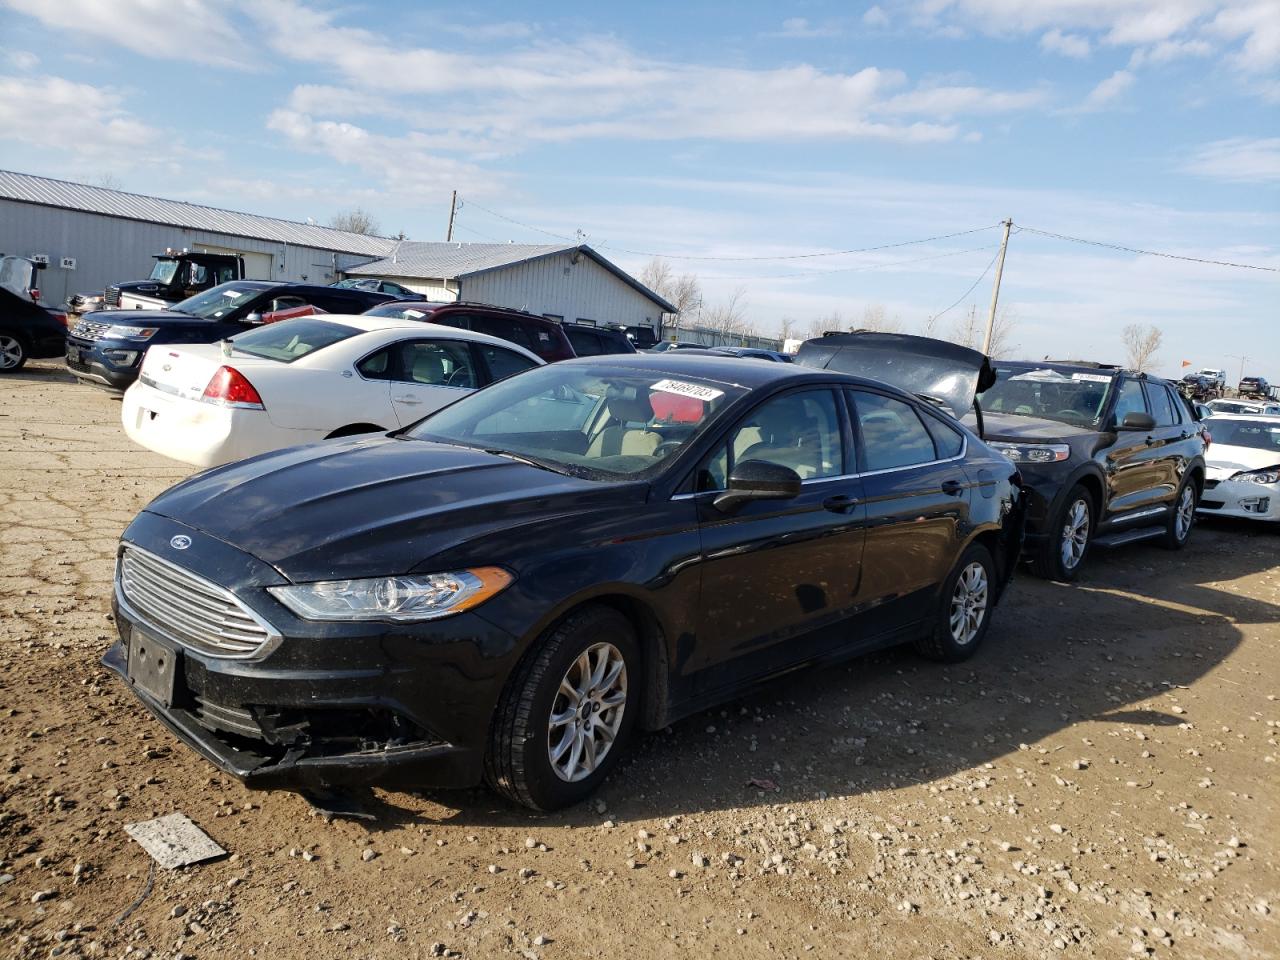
pixel 298 381
pixel 1243 464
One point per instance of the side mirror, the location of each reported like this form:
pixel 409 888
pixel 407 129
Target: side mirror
pixel 1138 421
pixel 758 480
pixel 254 317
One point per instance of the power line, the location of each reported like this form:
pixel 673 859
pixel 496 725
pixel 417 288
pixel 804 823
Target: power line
pixel 681 256
pixel 857 269
pixel 972 287
pixel 1148 253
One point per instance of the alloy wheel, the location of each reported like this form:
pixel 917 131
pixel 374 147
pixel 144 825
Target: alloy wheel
pixel 1075 534
pixel 586 713
pixel 10 353
pixel 969 603
pixel 1186 513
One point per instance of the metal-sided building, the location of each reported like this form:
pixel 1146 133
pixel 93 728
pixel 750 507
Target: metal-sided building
pixel 569 282
pixel 92 236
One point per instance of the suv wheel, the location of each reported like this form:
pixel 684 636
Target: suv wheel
pixel 1070 535
pixel 567 712
pixel 968 597
pixel 1178 527
pixel 13 353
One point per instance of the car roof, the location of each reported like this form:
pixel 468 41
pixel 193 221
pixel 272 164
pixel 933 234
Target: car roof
pixel 1265 417
pixel 740 371
pixel 367 324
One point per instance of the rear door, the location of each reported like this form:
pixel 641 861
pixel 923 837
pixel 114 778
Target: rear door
pixel 427 374
pixel 917 496
pixel 774 572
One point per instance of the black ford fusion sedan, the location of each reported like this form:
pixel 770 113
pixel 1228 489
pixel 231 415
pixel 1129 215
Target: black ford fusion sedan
pixel 512 588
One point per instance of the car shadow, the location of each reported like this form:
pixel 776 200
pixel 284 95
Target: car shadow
pixel 1140 623
pixel 41 371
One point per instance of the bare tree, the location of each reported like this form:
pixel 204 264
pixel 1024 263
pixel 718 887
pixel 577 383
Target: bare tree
pixel 875 318
pixel 971 330
pixel 109 181
pixel 728 318
pixel 684 292
pixel 1141 344
pixel 355 220
pixel 786 329
pixel 966 331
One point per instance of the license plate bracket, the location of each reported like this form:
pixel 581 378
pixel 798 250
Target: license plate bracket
pixel 153 666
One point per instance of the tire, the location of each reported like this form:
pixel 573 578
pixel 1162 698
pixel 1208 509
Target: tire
pixel 530 723
pixel 957 633
pixel 13 352
pixel 1177 529
pixel 1060 558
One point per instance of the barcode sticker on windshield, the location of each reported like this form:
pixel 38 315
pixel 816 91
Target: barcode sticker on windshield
pixel 1091 377
pixel 231 294
pixel 695 390
pixel 416 314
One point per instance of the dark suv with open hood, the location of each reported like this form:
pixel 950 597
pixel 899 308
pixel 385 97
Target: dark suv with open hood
pixel 1108 457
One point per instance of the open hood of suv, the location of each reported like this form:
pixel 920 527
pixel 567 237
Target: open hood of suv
pixel 935 369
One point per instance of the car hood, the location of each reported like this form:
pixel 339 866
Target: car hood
pixel 143 318
pixel 930 368
pixel 1019 429
pixel 374 506
pixel 1223 460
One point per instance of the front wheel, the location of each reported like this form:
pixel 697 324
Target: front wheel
pixel 968 597
pixel 1070 535
pixel 13 353
pixel 1177 529
pixel 567 712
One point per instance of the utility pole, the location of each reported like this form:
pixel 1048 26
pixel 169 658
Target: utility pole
pixel 995 290
pixel 453 211
pixel 1243 360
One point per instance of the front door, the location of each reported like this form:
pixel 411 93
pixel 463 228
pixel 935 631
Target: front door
pixel 775 571
pixel 1133 462
pixel 429 374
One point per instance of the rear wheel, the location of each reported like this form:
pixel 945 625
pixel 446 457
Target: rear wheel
pixel 1177 528
pixel 968 597
pixel 354 430
pixel 567 712
pixel 1070 534
pixel 13 352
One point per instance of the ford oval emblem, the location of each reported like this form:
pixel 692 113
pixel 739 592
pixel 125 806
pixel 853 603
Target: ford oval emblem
pixel 180 542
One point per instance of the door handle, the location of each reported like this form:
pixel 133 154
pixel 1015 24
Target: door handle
pixel 410 401
pixel 952 488
pixel 839 504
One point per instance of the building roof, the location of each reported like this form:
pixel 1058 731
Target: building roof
pixel 44 191
pixel 419 260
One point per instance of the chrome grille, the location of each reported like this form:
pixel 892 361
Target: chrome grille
pixel 90 330
pixel 188 608
pixel 112 297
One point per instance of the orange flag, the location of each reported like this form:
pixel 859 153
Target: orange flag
pixel 1186 363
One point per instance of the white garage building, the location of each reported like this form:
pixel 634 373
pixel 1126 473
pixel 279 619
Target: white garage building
pixel 93 236
pixel 569 282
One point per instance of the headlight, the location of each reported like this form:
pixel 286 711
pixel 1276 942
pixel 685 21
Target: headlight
pixel 1269 475
pixel 1033 452
pixel 119 331
pixel 426 597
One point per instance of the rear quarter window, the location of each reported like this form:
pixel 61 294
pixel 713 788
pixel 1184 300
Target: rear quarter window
pixel 291 340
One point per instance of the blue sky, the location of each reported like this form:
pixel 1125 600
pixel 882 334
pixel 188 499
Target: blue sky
pixel 737 131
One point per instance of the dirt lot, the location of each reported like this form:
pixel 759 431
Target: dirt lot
pixel 1100 781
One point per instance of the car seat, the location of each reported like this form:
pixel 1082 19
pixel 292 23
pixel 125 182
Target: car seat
pixel 623 438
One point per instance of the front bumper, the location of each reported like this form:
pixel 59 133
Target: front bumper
pixel 326 704
pixel 1240 498
pixel 109 363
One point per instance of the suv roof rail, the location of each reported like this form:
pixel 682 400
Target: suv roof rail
pixel 1097 365
pixel 494 306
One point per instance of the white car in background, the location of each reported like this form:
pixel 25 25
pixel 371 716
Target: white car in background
pixel 308 379
pixel 1243 468
pixel 1263 408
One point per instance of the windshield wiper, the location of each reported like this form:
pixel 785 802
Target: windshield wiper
pixel 526 459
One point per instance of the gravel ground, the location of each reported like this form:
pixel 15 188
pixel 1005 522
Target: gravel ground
pixel 1101 780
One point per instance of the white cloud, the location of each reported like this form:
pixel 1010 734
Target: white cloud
pixel 952 100
pixel 23 60
pixel 1239 160
pixel 1107 91
pixel 798 28
pixel 85 121
pixel 1067 44
pixel 1257 23
pixel 875 17
pixel 169 29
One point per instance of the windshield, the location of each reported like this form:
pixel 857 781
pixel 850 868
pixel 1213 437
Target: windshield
pixel 216 303
pixel 1254 434
pixel 290 340
pixel 1049 393
pixel 16 276
pixel 1233 406
pixel 399 311
pixel 164 271
pixel 586 421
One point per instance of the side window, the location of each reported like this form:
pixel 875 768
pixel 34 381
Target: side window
pixel 445 363
pixel 892 434
pixel 199 274
pixel 797 430
pixel 1130 400
pixel 376 366
pixel 1179 405
pixel 585 343
pixel 224 273
pixel 714 472
pixel 503 363
pixel 502 327
pixel 1160 408
pixel 947 440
